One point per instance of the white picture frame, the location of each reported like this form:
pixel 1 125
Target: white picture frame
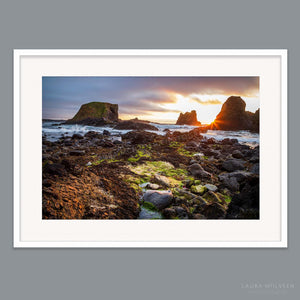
pixel 270 231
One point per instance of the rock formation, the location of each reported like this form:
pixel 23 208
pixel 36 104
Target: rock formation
pixel 134 125
pixel 233 116
pixel 189 118
pixel 95 114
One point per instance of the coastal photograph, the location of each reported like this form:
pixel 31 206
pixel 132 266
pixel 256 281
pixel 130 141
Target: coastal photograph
pixel 150 148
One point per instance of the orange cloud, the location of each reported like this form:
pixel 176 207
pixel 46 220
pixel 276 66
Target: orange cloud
pixel 206 102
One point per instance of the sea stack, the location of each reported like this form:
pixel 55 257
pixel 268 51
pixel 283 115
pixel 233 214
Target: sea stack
pixel 96 114
pixel 189 118
pixel 233 116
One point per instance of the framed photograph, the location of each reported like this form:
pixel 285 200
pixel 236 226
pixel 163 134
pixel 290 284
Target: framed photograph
pixel 150 148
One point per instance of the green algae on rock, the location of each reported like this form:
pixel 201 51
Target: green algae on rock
pixel 95 113
pixel 198 189
pixel 151 168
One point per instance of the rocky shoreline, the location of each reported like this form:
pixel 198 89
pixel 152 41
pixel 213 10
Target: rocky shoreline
pixel 149 176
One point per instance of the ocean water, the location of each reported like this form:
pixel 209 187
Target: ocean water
pixel 53 130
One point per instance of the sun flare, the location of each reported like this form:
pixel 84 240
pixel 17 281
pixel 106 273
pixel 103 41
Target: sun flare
pixel 206 111
pixel 206 107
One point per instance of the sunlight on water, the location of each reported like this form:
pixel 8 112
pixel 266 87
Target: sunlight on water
pixel 53 130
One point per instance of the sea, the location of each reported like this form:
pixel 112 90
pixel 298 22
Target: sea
pixel 53 130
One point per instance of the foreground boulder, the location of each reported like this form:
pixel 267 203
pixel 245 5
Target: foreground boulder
pixel 233 180
pixel 233 116
pixel 160 199
pixel 188 118
pixel 95 114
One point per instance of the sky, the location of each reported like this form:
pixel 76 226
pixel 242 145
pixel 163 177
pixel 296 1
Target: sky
pixel 157 99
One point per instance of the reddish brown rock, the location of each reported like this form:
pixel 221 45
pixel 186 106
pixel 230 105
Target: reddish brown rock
pixel 188 118
pixel 233 116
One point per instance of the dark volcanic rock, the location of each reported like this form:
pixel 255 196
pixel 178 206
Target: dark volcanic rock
pixel 189 118
pixel 105 144
pixel 255 168
pixel 140 137
pixel 237 154
pixel 68 143
pixel 93 134
pixel 181 212
pixel 116 142
pixel 191 145
pixel 106 132
pixel 245 205
pixel 46 157
pixel 160 199
pixel 134 125
pixel 214 211
pixel 69 166
pixel 232 180
pixel 254 159
pixel 234 117
pixel 228 141
pixel 197 171
pixel 193 135
pixel 233 165
pixel 90 122
pixel 169 213
pixel 77 152
pixel 77 136
pixel 95 114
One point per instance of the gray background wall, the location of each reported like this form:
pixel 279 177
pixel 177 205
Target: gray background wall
pixel 145 273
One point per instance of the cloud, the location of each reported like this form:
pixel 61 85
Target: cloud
pixel 143 106
pixel 206 102
pixel 139 94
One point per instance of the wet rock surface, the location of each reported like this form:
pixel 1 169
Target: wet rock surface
pixel 233 165
pixel 145 175
pixel 160 199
